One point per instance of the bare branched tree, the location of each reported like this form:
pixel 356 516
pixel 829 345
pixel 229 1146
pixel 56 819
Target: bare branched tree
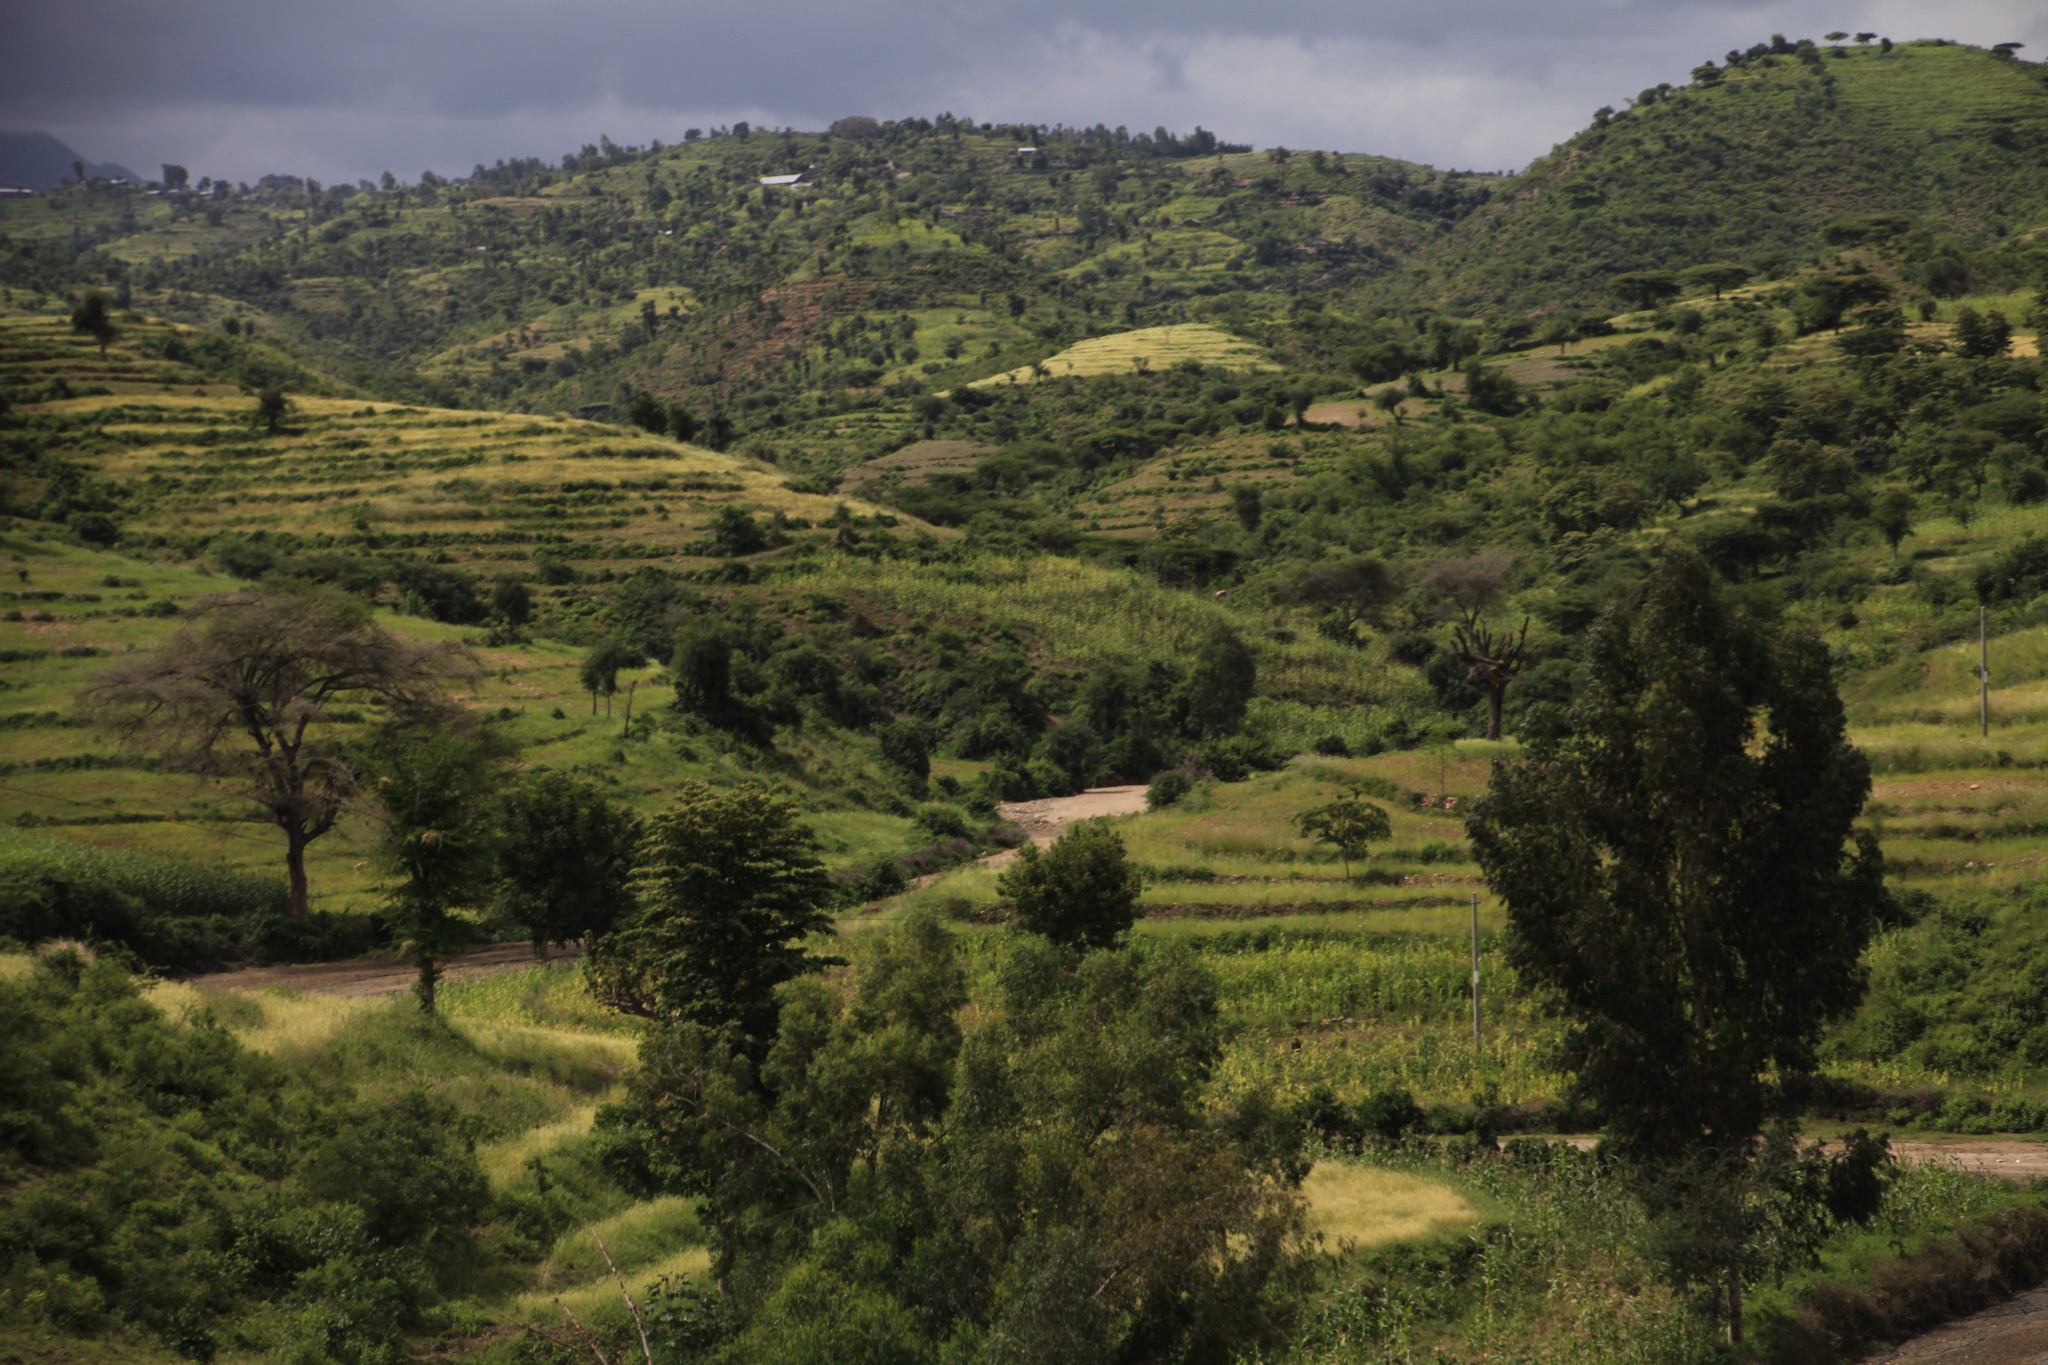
pixel 1493 658
pixel 249 692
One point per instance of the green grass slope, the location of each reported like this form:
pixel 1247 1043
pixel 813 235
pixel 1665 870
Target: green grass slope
pixel 1753 164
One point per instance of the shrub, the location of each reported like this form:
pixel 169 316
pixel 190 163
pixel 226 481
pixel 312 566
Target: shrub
pixel 160 911
pixel 1168 788
pixel 1081 892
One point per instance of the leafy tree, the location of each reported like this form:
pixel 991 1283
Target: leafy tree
pixel 1220 684
pixel 728 886
pixel 1715 275
pixel 1892 515
pixel 599 672
pixel 1491 389
pixel 1350 824
pixel 1048 1187
pixel 513 601
pixel 564 855
pixel 1881 332
pixel 1677 861
pixel 176 177
pixel 1647 289
pixel 1980 336
pixel 406 1163
pixel 432 793
pixel 252 690
pixel 91 317
pixel 271 408
pixel 1082 892
pixel 702 669
pixel 904 748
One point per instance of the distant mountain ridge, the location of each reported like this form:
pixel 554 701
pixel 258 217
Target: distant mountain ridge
pixel 38 161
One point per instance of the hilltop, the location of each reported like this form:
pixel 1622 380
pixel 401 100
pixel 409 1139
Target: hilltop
pixel 38 161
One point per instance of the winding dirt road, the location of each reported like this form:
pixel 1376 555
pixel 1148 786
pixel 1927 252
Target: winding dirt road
pixel 1042 822
pixel 1045 819
pixel 375 975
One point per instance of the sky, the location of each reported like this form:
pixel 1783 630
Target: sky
pixel 343 91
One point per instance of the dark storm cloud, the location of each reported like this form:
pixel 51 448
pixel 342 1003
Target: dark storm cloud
pixel 235 88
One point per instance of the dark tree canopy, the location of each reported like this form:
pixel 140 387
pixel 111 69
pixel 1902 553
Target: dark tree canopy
pixel 729 887
pixel 247 692
pixel 91 317
pixel 1679 864
pixel 1220 684
pixel 1082 891
pixel 1648 288
pixel 430 790
pixel 564 855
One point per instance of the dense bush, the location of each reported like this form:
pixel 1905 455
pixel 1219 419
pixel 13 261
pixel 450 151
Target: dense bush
pixel 164 1180
pixel 160 911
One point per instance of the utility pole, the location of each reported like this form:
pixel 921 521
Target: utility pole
pixel 1983 677
pixel 1475 974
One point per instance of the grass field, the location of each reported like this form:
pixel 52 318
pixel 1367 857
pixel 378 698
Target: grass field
pixel 1154 348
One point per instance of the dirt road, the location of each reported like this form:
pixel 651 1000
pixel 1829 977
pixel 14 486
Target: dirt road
pixel 1045 819
pixel 375 975
pixel 2013 1333
pixel 2019 1160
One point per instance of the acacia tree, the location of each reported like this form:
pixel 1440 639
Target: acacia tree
pixel 248 692
pixel 1647 289
pixel 599 672
pixel 1493 656
pixel 1677 860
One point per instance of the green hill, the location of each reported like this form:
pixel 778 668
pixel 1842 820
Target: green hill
pixel 1939 149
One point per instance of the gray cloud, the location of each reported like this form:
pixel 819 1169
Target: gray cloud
pixel 239 87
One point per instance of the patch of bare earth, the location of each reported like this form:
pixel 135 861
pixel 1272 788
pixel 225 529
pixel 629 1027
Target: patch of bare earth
pixel 377 975
pixel 2014 1333
pixel 1045 819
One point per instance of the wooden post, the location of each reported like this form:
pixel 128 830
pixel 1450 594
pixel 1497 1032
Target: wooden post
pixel 1983 677
pixel 1475 974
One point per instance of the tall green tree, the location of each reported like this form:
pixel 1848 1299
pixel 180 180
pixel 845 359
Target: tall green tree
pixel 1892 515
pixel 728 886
pixel 1082 892
pixel 1679 865
pixel 271 408
pixel 431 791
pixel 92 318
pixel 1220 684
pixel 563 859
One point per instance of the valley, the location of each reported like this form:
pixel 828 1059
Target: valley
pixel 841 553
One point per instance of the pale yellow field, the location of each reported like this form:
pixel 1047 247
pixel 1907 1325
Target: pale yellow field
pixel 1361 1206
pixel 1158 348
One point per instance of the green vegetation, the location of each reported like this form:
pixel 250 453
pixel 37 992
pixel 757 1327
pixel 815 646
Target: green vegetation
pixel 1292 486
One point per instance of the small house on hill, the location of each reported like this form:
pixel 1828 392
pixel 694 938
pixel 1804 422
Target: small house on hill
pixel 771 181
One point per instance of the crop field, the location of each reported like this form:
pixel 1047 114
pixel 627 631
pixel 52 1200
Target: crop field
pixel 1157 348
